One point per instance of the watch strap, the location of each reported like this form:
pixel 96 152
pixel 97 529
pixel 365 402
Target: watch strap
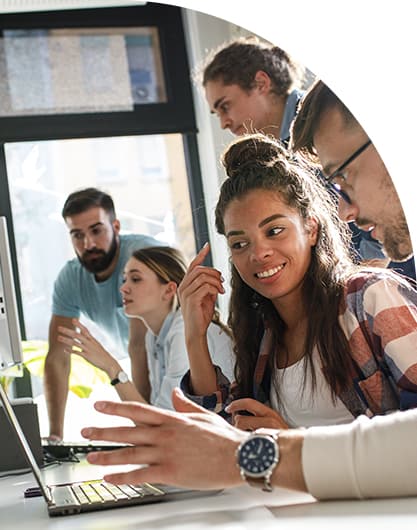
pixel 262 483
pixel 121 377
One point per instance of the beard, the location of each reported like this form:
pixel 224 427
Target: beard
pixel 397 242
pixel 98 260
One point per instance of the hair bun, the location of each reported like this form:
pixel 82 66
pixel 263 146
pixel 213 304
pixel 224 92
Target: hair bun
pixel 251 151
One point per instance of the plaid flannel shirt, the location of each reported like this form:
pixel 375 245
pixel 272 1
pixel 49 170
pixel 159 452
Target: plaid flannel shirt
pixel 378 315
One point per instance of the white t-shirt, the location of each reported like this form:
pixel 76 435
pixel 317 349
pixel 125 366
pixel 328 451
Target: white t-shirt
pixel 300 405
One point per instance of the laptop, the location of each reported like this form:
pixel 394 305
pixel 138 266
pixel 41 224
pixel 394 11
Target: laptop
pixel 92 495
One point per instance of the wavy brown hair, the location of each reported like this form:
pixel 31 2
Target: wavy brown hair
pixel 258 162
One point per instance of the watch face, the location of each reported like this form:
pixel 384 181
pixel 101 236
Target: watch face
pixel 123 377
pixel 257 455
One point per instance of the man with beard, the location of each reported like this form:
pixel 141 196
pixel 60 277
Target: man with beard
pixel 89 285
pixel 325 128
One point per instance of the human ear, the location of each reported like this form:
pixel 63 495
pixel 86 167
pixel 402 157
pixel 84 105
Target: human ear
pixel 313 230
pixel 170 290
pixel 116 226
pixel 262 82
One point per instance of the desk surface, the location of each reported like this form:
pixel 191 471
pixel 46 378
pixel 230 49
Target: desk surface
pixel 240 508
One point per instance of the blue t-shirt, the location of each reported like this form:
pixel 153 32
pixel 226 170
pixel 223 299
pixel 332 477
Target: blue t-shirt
pixel 77 292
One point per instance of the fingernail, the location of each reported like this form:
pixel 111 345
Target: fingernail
pixel 221 278
pixel 205 245
pixel 92 457
pixel 86 432
pixel 100 405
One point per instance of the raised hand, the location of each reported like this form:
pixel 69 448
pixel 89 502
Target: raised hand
pixel 198 293
pixel 261 415
pixel 81 342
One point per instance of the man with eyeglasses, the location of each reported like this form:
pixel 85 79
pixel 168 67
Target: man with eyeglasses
pixel 89 285
pixel 326 129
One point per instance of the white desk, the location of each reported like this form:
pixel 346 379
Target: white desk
pixel 241 508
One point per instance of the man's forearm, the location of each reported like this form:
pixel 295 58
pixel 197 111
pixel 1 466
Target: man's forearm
pixel 289 471
pixel 56 393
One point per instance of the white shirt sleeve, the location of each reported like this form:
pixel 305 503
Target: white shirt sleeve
pixel 366 458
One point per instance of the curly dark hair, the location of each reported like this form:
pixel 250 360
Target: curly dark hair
pixel 258 162
pixel 238 61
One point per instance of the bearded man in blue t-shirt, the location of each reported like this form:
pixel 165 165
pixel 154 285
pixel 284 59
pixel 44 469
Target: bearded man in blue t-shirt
pixel 89 285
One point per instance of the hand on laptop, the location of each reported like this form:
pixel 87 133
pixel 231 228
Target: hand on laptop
pixel 190 448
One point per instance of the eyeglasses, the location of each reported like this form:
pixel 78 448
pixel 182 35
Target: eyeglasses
pixel 336 179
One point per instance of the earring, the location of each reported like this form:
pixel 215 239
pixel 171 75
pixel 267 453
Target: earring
pixel 255 303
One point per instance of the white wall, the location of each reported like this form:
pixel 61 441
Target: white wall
pixel 203 33
pixel 364 50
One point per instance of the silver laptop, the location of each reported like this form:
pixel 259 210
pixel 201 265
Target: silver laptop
pixel 91 495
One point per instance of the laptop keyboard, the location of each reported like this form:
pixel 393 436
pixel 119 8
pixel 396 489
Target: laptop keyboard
pixel 99 492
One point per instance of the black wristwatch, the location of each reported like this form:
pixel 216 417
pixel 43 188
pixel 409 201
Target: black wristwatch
pixel 121 377
pixel 257 457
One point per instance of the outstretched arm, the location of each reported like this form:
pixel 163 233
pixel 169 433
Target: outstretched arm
pixel 189 448
pixel 195 448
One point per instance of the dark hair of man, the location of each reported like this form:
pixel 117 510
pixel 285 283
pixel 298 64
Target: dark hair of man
pixel 169 265
pixel 82 200
pixel 256 162
pixel 238 62
pixel 316 101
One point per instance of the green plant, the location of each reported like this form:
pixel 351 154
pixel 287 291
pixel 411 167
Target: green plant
pixel 83 375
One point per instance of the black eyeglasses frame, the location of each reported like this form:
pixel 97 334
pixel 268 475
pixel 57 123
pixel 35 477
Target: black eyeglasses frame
pixel 339 170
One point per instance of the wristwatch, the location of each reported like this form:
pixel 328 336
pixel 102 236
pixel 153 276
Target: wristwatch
pixel 121 377
pixel 257 457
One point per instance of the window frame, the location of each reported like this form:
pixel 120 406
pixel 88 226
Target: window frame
pixel 176 115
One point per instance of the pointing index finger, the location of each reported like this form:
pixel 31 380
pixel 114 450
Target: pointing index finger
pixel 201 256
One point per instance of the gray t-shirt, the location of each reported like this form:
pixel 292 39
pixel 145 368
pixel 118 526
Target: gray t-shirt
pixel 77 292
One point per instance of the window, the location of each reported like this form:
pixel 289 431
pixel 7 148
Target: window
pixel 145 175
pixel 94 97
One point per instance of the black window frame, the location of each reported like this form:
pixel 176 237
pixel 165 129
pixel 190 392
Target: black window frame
pixel 176 115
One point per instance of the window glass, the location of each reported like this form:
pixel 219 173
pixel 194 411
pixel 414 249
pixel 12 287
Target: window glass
pixel 145 175
pixel 79 70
